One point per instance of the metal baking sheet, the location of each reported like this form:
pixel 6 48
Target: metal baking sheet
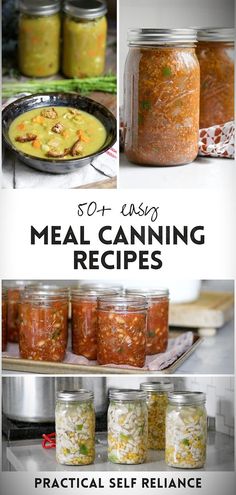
pixel 28 366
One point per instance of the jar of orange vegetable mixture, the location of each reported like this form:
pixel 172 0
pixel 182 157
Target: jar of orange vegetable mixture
pixel 121 336
pixel 84 38
pixel 39 37
pixel 44 323
pixel 4 319
pixel 84 319
pixel 215 53
pixel 14 290
pixel 161 97
pixel 157 318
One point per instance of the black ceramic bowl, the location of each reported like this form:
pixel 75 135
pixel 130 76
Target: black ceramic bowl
pixel 64 100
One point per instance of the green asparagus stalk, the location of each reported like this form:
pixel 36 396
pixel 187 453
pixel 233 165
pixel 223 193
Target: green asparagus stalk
pixel 106 84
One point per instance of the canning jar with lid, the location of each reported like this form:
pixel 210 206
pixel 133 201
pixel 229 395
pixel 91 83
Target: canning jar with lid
pixel 85 320
pixel 4 319
pixel 14 290
pixel 122 329
pixel 215 51
pixel 75 427
pixel 161 97
pixel 127 427
pixel 44 323
pixel 157 401
pixel 186 430
pixel 157 318
pixel 39 37
pixel 84 38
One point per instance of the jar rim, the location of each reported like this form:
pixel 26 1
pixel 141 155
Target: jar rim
pixel 91 293
pixel 157 386
pixel 149 36
pixel 148 292
pixel 45 292
pixel 186 398
pixel 80 395
pixel 125 302
pixel 85 9
pixel 216 34
pixel 127 394
pixel 41 7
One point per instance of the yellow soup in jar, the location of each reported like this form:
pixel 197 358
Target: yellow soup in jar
pixel 57 133
pixel 84 45
pixel 39 45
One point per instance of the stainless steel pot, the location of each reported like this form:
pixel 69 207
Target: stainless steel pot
pixel 32 398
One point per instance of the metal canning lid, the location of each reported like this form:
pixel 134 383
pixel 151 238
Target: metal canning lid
pixel 80 395
pixel 216 34
pixel 39 7
pixel 122 303
pixel 144 36
pixel 147 292
pixel 45 292
pixel 91 293
pixel 186 398
pixel 85 9
pixel 157 386
pixel 127 394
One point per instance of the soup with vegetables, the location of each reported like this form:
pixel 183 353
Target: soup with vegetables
pixel 57 133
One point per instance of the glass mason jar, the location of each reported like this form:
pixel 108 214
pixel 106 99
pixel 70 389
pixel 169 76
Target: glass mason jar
pixel 215 52
pixel 39 37
pixel 84 38
pixel 186 430
pixel 157 401
pixel 44 323
pixel 4 319
pixel 85 321
pixel 127 427
pixel 161 97
pixel 75 428
pixel 122 329
pixel 157 318
pixel 14 290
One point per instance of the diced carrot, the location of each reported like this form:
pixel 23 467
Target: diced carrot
pixel 36 144
pixel 92 53
pixel 21 127
pixel 82 136
pixel 65 134
pixel 39 119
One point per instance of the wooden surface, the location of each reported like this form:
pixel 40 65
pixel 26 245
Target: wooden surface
pixel 211 311
pixel 103 184
pixel 28 366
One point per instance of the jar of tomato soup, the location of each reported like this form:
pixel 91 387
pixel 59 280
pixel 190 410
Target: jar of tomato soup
pixel 39 37
pixel 84 319
pixel 122 330
pixel 44 323
pixel 4 319
pixel 84 38
pixel 157 318
pixel 161 97
pixel 14 290
pixel 215 52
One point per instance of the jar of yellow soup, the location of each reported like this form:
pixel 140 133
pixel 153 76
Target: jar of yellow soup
pixel 84 38
pixel 39 38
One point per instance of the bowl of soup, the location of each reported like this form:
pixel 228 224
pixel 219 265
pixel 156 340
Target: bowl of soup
pixel 58 132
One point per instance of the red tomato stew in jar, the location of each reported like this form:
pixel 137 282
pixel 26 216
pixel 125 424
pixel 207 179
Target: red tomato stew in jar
pixel 44 323
pixel 215 52
pixel 121 337
pixel 84 319
pixel 161 97
pixel 157 318
pixel 14 290
pixel 4 319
